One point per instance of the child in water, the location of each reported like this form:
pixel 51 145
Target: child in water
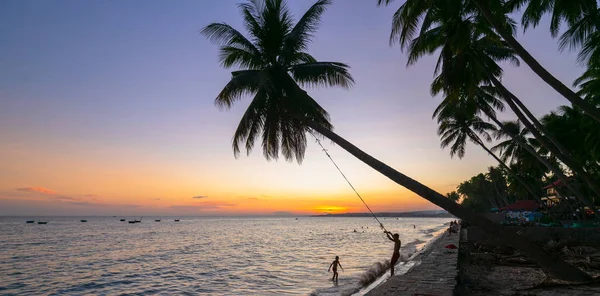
pixel 335 264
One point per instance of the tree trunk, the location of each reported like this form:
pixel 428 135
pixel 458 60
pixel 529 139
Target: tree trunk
pixel 566 92
pixel 547 261
pixel 508 96
pixel 527 187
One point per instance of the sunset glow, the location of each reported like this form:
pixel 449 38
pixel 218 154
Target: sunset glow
pixel 130 128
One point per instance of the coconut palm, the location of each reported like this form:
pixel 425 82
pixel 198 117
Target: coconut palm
pixel 560 11
pixel 584 34
pixel 509 148
pixel 495 13
pixel 453 196
pixel 458 123
pixel 274 64
pixel 469 53
pixel 277 51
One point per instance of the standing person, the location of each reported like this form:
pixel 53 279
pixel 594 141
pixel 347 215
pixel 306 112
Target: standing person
pixel 335 264
pixel 397 243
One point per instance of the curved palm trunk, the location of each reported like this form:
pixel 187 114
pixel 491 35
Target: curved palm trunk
pixel 563 155
pixel 508 96
pixel 566 92
pixel 547 261
pixel 527 187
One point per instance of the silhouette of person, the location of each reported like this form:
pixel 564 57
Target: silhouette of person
pixel 334 266
pixel 397 243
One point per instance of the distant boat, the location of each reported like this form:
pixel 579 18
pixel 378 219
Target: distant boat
pixel 42 222
pixel 157 220
pixel 176 220
pixel 83 220
pixel 296 218
pixel 133 221
pixel 139 221
pixel 122 220
pixel 30 221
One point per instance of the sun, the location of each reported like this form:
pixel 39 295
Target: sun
pixel 331 209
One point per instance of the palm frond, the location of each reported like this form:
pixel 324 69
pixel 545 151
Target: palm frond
pixel 300 36
pixel 223 34
pixel 242 83
pixel 251 124
pixel 231 56
pixel 322 74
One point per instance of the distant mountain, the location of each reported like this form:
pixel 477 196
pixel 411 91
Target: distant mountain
pixel 415 214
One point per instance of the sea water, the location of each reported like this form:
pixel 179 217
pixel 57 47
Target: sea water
pixel 198 255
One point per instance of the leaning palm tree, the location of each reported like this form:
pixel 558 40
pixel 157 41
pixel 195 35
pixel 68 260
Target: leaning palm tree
pixel 495 12
pixel 411 12
pixel 273 64
pixel 469 53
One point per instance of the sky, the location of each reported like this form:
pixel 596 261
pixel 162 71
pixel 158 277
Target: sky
pixel 106 108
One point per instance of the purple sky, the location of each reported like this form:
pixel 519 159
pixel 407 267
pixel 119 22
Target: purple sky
pixel 115 99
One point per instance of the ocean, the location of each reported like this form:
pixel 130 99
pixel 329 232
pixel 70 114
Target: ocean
pixel 198 255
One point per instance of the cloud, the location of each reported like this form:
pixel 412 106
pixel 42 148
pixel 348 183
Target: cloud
pixel 91 195
pixel 37 189
pixel 200 196
pixel 62 197
pixel 203 206
pixel 253 198
pixel 155 199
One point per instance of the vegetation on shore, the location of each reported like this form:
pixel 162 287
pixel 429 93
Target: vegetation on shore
pixel 473 38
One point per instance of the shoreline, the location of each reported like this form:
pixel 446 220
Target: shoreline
pixel 433 272
pixel 403 267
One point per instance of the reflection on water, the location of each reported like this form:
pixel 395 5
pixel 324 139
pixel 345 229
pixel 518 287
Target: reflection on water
pixel 220 256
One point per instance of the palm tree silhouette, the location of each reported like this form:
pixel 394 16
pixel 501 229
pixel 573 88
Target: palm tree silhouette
pixel 273 65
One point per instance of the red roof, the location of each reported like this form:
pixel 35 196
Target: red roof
pixel 558 184
pixel 526 205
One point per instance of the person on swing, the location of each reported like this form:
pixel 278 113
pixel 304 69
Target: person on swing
pixel 397 243
pixel 335 264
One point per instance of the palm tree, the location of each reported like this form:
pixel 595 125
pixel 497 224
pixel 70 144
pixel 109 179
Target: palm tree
pixel 459 123
pixel 453 196
pixel 584 33
pixel 509 149
pixel 273 65
pixel 495 13
pixel 469 54
pixel 561 11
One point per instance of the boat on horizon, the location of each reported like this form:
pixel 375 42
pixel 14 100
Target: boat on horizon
pixel 122 220
pixel 30 221
pixel 42 222
pixel 157 220
pixel 138 221
pixel 82 220
pixel 177 220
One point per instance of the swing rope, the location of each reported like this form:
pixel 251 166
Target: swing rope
pixel 348 181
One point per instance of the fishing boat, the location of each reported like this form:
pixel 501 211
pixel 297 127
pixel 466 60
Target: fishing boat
pixel 123 220
pixel 132 221
pixel 42 222
pixel 139 221
pixel 30 221
pixel 177 220
pixel 157 220
pixel 82 220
